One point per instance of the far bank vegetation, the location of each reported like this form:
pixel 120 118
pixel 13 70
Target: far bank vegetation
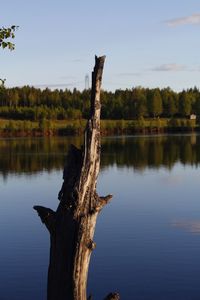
pixel 30 111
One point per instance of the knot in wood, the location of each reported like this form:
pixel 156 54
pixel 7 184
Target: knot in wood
pixel 91 245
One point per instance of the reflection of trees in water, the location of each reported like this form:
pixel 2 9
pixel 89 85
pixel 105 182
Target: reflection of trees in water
pixel 34 155
pixel 151 151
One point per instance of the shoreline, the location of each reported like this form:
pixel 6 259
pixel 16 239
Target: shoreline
pixel 63 132
pixel 24 128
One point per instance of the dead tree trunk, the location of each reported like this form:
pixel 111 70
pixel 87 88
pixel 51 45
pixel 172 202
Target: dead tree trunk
pixel 72 226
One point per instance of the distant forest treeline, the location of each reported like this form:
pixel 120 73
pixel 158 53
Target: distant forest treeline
pixel 29 103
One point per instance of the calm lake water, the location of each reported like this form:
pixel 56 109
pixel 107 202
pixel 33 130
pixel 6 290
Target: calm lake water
pixel 148 237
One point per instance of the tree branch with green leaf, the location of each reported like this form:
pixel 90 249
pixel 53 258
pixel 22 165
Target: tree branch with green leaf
pixel 7 34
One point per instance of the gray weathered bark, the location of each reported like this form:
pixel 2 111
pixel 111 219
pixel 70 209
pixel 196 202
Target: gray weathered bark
pixel 72 226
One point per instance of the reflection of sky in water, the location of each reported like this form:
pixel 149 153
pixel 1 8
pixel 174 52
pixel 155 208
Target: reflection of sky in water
pixel 147 257
pixel 189 226
pixel 145 249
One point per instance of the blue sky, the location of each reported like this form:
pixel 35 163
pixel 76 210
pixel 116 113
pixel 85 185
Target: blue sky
pixel 151 43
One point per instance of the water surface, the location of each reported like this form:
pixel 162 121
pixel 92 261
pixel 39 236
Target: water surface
pixel 148 237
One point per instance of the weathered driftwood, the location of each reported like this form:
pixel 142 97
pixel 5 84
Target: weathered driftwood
pixel 72 226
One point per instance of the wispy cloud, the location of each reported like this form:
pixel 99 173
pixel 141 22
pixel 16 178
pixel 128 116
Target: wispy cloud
pixel 128 74
pixel 187 20
pixel 170 68
pixel 77 60
pixel 68 77
pixel 195 69
pixel 57 85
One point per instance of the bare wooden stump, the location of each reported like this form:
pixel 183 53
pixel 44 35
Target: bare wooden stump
pixel 72 226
